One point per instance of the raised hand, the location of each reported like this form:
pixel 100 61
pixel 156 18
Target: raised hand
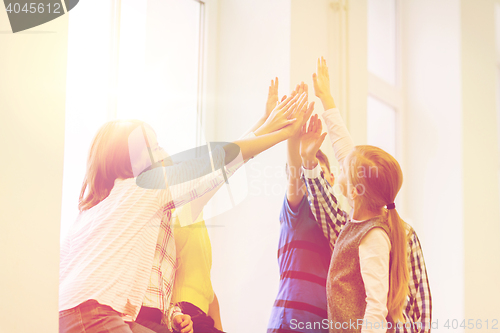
pixel 310 142
pixel 272 97
pixel 301 114
pixel 282 115
pixel 321 81
pixel 299 89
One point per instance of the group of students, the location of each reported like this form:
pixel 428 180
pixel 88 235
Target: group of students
pixel 129 265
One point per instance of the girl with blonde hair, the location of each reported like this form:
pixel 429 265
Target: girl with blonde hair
pixel 377 278
pixel 368 275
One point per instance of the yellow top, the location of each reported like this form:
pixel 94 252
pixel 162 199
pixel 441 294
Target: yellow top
pixel 194 262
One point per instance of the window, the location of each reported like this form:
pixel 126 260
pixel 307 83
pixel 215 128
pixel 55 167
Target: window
pixel 159 68
pixel 385 96
pixel 133 59
pixel 381 121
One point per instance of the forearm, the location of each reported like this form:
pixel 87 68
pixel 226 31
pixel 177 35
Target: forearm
pixel 214 313
pixel 252 146
pixel 324 205
pixel 295 188
pixel 339 135
pixel 255 127
pixel 327 101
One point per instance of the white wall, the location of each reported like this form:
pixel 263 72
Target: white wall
pixel 453 195
pixel 255 44
pixel 32 100
pixel 433 146
pixel 253 47
pixel 480 160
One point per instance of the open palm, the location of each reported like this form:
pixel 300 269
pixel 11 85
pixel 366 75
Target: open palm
pixel 311 139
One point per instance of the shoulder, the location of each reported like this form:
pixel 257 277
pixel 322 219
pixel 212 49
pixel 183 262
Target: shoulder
pixel 412 237
pixel 289 214
pixel 377 236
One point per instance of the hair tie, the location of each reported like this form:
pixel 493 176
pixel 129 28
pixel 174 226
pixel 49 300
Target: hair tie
pixel 391 206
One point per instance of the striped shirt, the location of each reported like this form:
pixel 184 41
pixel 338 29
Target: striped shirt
pixel 303 259
pixel 110 253
pixel 332 219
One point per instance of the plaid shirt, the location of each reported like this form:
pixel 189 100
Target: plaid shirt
pixel 159 290
pixel 418 309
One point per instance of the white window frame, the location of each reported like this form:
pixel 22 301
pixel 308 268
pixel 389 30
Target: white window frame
pixel 112 98
pixel 115 54
pixel 389 94
pixel 394 95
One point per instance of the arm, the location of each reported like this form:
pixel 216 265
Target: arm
pixel 214 312
pixel 420 303
pixel 324 205
pixel 320 194
pixel 192 179
pixel 295 187
pixel 283 122
pixel 374 252
pixel 272 100
pixel 337 131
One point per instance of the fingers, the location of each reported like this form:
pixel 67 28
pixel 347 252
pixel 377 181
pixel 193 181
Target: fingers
pixel 287 100
pixel 309 111
pixel 302 102
pixel 292 104
pixel 311 125
pixel 324 67
pixel 273 88
pixel 318 125
pixel 315 81
pixel 320 140
pixel 186 326
pixel 292 111
pixel 283 98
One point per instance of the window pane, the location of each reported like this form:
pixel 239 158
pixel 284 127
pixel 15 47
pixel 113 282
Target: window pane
pixel 382 39
pixel 86 96
pixel 381 123
pixel 157 79
pixel 159 69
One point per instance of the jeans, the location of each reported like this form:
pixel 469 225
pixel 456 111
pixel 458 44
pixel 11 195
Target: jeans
pixel 92 317
pixel 151 318
pixel 201 322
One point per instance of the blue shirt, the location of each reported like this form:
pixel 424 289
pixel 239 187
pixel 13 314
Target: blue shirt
pixel 303 258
